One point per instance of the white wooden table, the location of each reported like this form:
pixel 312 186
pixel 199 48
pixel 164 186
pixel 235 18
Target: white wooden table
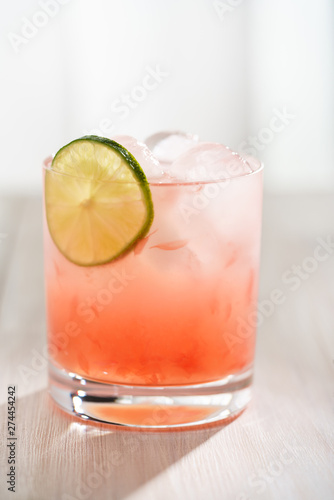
pixel 280 448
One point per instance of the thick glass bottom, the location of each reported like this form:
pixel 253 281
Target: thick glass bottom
pixel 147 407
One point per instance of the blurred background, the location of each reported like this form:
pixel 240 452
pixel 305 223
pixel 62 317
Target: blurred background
pixel 255 75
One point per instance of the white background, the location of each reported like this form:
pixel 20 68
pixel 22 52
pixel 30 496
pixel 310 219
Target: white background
pixel 229 67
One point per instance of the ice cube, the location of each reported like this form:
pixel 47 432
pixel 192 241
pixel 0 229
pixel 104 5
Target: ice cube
pixel 143 155
pixel 167 146
pixel 208 161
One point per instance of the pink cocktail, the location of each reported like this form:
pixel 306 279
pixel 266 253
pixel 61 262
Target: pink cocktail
pixel 165 334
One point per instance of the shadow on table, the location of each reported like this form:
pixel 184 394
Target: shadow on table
pixel 70 460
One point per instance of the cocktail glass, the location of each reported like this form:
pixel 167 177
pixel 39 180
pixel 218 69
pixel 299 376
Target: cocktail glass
pixel 164 336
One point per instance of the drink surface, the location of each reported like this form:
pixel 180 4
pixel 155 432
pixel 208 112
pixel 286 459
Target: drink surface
pixel 177 309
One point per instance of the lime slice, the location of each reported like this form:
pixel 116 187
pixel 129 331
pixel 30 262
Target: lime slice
pixel 98 201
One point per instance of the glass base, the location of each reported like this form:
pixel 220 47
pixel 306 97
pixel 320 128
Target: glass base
pixel 147 407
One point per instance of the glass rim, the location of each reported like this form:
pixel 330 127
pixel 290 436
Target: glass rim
pixel 46 165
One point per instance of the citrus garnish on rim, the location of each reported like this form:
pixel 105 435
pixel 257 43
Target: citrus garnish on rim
pixel 98 201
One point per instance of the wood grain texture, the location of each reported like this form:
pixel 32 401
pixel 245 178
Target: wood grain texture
pixel 281 447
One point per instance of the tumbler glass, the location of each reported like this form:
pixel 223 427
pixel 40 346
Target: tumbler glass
pixel 163 336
